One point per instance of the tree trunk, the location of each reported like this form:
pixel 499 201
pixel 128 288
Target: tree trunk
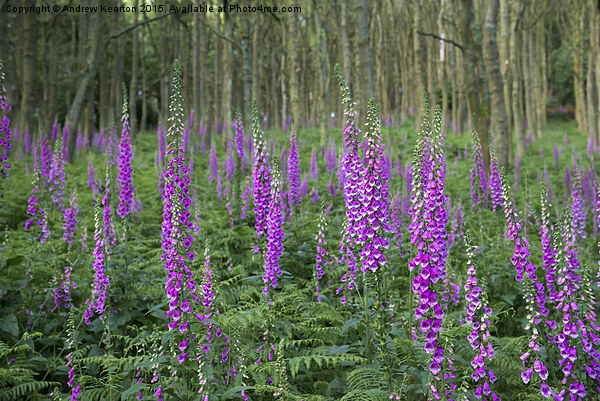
pixel 364 44
pixel 51 78
pixel 346 56
pixel 145 94
pixel 323 69
pixel 492 64
pixel 96 29
pixel 504 50
pixel 197 71
pixel 515 70
pixel 419 64
pixel 472 78
pixel 526 58
pixel 29 76
pixel 596 50
pixel 578 67
pixel 133 83
pixel 294 69
pixel 227 73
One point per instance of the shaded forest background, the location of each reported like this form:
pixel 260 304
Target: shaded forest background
pixel 510 63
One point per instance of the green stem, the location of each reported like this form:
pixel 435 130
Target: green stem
pixel 367 320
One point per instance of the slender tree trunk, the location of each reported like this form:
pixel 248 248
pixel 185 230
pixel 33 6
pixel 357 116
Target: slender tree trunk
pixel 515 70
pixel 255 64
pixel 323 68
pixel 526 76
pixel 419 64
pixel 227 73
pixel 578 67
pixel 364 44
pixel 591 95
pixel 346 55
pixel 197 72
pixel 133 83
pixel 96 29
pixel 145 94
pixel 51 78
pixel 29 76
pixel 504 50
pixel 596 50
pixel 537 87
pixel 472 78
pixel 11 83
pixel 294 69
pixel 492 64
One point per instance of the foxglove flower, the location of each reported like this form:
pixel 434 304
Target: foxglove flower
pixel 176 229
pixel 478 315
pixel 5 133
pixel 56 176
pixel 314 167
pixel 261 176
pixel 125 170
pixel 293 174
pixel 428 233
pixel 495 181
pixel 578 211
pixel 101 283
pixel 70 217
pixel 353 169
pixel 479 186
pixel 510 212
pixel 213 164
pixel 548 251
pixel 373 220
pixel 321 252
pixel 274 234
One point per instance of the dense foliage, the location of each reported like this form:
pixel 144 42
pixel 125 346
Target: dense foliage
pixel 259 266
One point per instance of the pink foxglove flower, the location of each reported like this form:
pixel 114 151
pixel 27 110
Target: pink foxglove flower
pixel 125 170
pixel 177 228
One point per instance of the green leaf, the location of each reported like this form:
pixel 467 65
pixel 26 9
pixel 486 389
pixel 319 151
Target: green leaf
pixel 157 307
pixel 233 391
pixel 349 323
pixel 132 390
pixel 9 324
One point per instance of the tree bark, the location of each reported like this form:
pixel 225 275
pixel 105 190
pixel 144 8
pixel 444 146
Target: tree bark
pixel 419 64
pixel 515 70
pixel 323 71
pixel 226 70
pixel 578 21
pixel 492 64
pixel 133 83
pixel 96 27
pixel 294 69
pixel 364 43
pixel 29 76
pixel 346 57
pixel 596 51
pixel 472 78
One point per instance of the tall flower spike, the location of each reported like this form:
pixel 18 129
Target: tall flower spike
pixel 261 175
pixel 293 173
pixel 5 133
pixel 97 303
pixel 495 180
pixel 125 170
pixel 478 315
pixel 321 252
pixel 428 233
pixel 479 187
pixel 353 182
pixel 373 220
pixel 177 229
pixel 274 233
